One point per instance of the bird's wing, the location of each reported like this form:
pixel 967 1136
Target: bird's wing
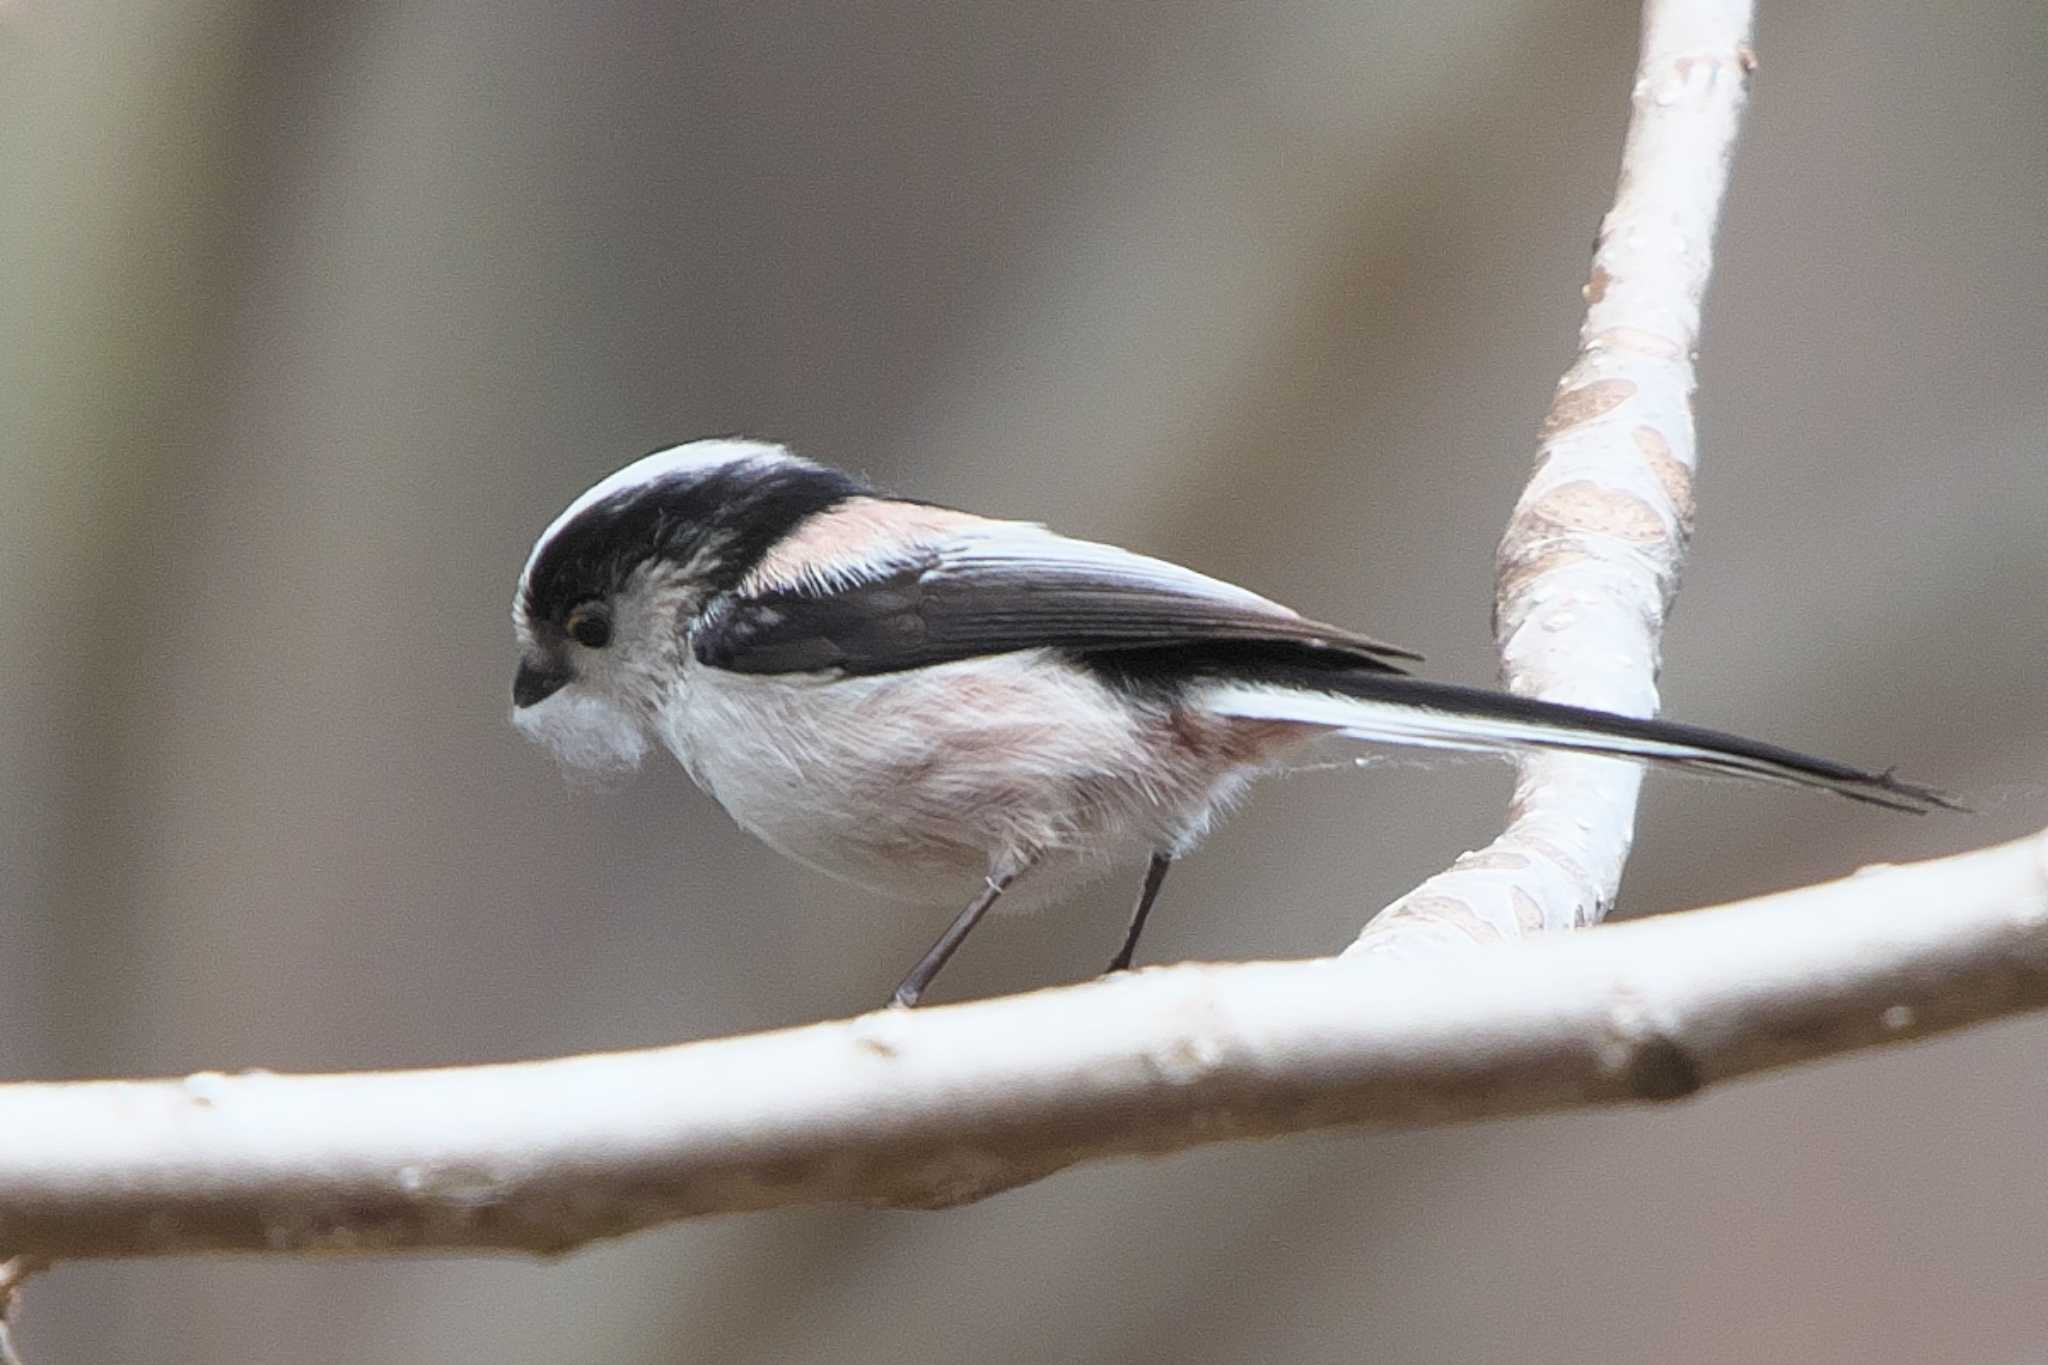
pixel 1007 587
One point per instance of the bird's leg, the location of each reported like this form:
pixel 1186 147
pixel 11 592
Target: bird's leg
pixel 920 979
pixel 1155 877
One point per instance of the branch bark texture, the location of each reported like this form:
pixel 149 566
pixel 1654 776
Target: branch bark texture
pixel 1589 564
pixel 933 1107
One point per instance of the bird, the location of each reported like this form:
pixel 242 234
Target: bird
pixel 951 709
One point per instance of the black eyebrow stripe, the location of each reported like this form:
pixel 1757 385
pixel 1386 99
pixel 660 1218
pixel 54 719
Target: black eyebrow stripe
pixel 736 512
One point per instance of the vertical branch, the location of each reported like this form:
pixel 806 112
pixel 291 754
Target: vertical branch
pixel 1589 563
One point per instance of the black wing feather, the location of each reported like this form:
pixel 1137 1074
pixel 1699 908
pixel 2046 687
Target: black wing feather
pixel 938 609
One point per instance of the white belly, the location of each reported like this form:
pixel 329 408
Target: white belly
pixel 911 783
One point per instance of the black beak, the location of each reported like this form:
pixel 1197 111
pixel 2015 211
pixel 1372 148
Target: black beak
pixel 536 682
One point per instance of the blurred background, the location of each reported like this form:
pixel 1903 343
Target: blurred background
pixel 311 315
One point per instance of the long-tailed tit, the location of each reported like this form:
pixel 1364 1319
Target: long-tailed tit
pixel 942 707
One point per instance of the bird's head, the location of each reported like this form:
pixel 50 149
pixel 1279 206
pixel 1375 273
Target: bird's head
pixel 613 586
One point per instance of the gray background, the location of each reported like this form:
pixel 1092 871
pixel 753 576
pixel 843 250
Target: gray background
pixel 312 314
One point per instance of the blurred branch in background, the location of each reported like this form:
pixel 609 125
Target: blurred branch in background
pixel 935 1107
pixel 1589 564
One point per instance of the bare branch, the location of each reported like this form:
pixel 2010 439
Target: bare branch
pixel 1589 563
pixel 938 1106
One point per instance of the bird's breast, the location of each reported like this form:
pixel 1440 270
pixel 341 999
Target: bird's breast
pixel 910 783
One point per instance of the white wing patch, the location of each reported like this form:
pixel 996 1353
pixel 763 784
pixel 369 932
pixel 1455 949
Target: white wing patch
pixel 870 538
pixel 1022 546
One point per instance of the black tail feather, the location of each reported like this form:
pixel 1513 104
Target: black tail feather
pixel 1526 723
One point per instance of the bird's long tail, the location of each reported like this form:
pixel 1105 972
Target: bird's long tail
pixel 1390 708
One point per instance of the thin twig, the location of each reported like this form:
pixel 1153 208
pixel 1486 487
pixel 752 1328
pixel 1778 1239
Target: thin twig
pixel 1589 564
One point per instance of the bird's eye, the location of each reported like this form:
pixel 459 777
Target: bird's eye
pixel 591 625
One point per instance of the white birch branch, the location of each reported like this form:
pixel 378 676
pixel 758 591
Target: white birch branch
pixel 935 1106
pixel 1589 562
